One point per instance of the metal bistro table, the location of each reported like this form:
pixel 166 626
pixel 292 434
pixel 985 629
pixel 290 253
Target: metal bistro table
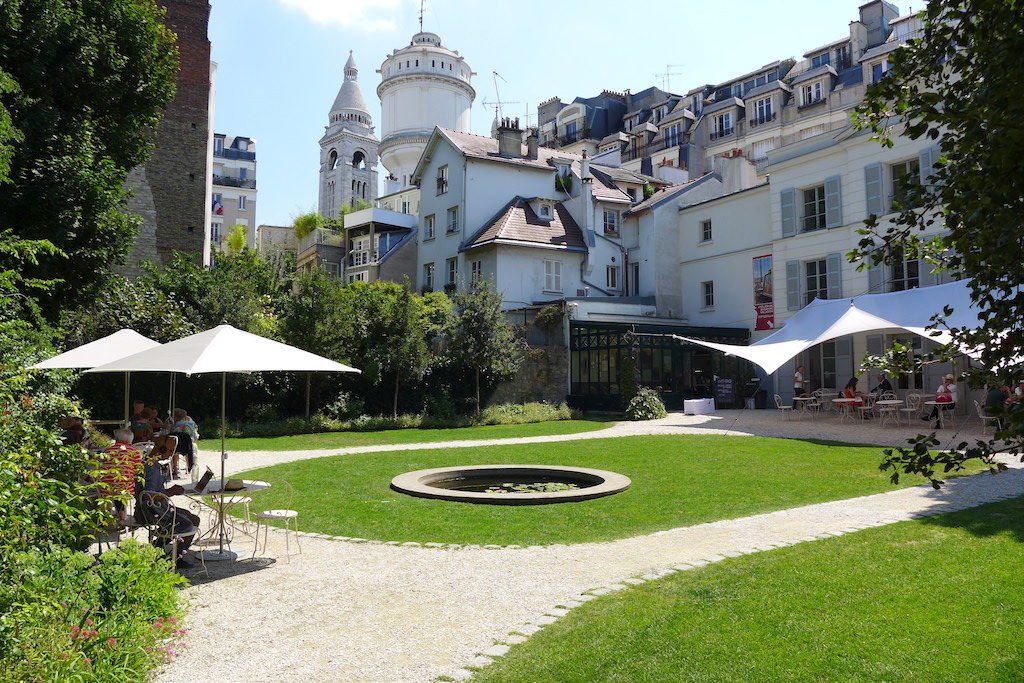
pixel 803 403
pixel 889 402
pixel 212 490
pixel 845 407
pixel 939 421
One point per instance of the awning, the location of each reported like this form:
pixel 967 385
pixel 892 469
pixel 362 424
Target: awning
pixel 826 319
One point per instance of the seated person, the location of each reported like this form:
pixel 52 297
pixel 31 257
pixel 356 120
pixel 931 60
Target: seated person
pixel 137 407
pixel 187 432
pixel 73 431
pixel 995 401
pixel 155 506
pixel 154 418
pixel 883 385
pixel 120 464
pixel 850 391
pixel 946 394
pixel 142 427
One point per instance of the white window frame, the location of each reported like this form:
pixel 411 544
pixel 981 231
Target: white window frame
pixel 721 125
pixel 819 206
pixel 428 275
pixel 242 202
pixel 611 277
pixel 819 277
pixel 428 227
pixel 706 230
pixel 361 276
pixel 452 220
pixel 451 270
pixel 544 211
pixel 476 271
pixel 763 111
pixel 552 276
pixel 812 92
pixel 707 295
pixel 673 134
pixel 332 269
pixel 612 226
pixel 442 180
pixel 911 167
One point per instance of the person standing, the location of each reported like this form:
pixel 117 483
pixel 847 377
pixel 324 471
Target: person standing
pixel 799 383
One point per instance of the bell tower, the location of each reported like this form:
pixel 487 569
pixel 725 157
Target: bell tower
pixel 348 149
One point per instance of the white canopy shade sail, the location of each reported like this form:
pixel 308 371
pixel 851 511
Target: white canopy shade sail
pixel 224 349
pixel 100 352
pixel 823 320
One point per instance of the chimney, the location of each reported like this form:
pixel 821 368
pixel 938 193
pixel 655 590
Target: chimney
pixel 510 138
pixel 585 168
pixel 532 142
pixel 586 198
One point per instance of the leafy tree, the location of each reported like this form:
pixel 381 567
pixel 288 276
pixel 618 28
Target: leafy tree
pixel 481 338
pixel 237 239
pixel 408 356
pixel 92 78
pixel 959 84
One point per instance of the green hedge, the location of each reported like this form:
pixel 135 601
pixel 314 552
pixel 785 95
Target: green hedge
pixel 509 413
pixel 65 616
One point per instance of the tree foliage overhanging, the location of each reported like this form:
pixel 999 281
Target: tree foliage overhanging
pixel 959 84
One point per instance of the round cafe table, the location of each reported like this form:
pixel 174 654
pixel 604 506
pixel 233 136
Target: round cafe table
pixel 803 402
pixel 213 489
pixel 889 402
pixel 845 406
pixel 939 422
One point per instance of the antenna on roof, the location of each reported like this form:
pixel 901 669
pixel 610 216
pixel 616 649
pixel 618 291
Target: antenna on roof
pixel 497 103
pixel 666 76
pixel 422 2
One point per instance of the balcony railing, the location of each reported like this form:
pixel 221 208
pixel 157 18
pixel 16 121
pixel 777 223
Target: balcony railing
pixel 231 181
pixel 237 154
pixel 569 138
pixel 717 134
pixel 321 236
pixel 761 120
pixel 641 151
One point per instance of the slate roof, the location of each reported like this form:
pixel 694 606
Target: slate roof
pixel 486 148
pixel 518 223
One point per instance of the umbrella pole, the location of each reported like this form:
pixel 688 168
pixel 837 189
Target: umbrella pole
pixel 127 391
pixel 223 457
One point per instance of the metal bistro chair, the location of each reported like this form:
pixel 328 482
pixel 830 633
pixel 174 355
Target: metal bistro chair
pixel 913 409
pixel 867 407
pixel 889 412
pixel 985 419
pixel 786 410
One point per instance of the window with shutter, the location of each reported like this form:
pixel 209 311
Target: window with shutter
pixel 834 265
pixel 793 285
pixel 787 200
pixel 873 195
pixel 833 202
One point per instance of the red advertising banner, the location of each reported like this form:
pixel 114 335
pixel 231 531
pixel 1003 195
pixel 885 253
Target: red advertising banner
pixel 764 302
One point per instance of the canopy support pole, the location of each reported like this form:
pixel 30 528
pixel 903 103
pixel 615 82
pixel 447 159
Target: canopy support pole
pixel 308 375
pixel 221 553
pixel 127 391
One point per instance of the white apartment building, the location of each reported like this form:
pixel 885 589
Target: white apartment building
pixel 233 195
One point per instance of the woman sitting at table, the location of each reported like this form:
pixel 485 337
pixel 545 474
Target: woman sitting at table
pixel 142 427
pixel 850 391
pixel 187 431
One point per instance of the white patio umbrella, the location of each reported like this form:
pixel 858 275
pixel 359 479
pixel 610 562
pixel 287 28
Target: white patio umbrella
pixel 223 349
pixel 100 352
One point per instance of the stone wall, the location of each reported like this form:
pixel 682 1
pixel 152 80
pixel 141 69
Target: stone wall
pixel 170 190
pixel 544 376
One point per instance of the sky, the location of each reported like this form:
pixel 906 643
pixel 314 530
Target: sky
pixel 279 62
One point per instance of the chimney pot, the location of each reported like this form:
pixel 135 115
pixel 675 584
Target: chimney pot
pixel 532 143
pixel 510 138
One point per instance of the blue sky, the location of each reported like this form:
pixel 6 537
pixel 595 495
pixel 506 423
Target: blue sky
pixel 280 61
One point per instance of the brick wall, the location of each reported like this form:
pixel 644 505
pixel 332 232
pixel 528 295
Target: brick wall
pixel 170 191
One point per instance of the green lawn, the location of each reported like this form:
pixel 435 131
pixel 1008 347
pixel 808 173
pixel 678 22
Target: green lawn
pixel 936 599
pixel 677 481
pixel 328 440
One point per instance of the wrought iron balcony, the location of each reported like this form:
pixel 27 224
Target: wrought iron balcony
pixel 761 120
pixel 718 134
pixel 237 154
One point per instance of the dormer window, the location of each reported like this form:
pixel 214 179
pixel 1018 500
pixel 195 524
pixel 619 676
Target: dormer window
pixel 821 60
pixel 763 112
pixel 811 93
pixel 544 211
pixel 721 125
pixel 879 70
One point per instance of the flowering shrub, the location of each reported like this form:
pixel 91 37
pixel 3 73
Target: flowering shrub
pixel 646 405
pixel 64 616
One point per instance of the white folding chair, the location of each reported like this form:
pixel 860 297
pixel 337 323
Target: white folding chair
pixel 786 410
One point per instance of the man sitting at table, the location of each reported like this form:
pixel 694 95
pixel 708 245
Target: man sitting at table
pixel 155 509
pixel 883 385
pixel 945 397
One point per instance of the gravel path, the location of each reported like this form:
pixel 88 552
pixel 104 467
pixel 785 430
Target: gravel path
pixel 373 612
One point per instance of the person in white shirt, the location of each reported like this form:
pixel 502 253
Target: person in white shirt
pixel 799 382
pixel 946 395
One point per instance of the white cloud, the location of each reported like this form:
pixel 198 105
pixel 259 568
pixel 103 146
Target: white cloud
pixel 362 15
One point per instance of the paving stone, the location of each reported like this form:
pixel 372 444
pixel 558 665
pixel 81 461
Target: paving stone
pixel 544 621
pixel 514 639
pixel 557 612
pixel 495 651
pixel 586 597
pixel 480 661
pixel 433 545
pixel 411 544
pixel 600 591
pixel 460 675
pixel 635 581
pixel 392 543
pixel 491 546
pixel 529 629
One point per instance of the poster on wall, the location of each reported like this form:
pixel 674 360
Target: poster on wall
pixel 764 304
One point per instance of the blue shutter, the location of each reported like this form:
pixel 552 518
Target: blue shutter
pixel 834 274
pixel 876 279
pixel 876 345
pixel 927 159
pixel 793 285
pixel 788 202
pixel 833 202
pixel 874 197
